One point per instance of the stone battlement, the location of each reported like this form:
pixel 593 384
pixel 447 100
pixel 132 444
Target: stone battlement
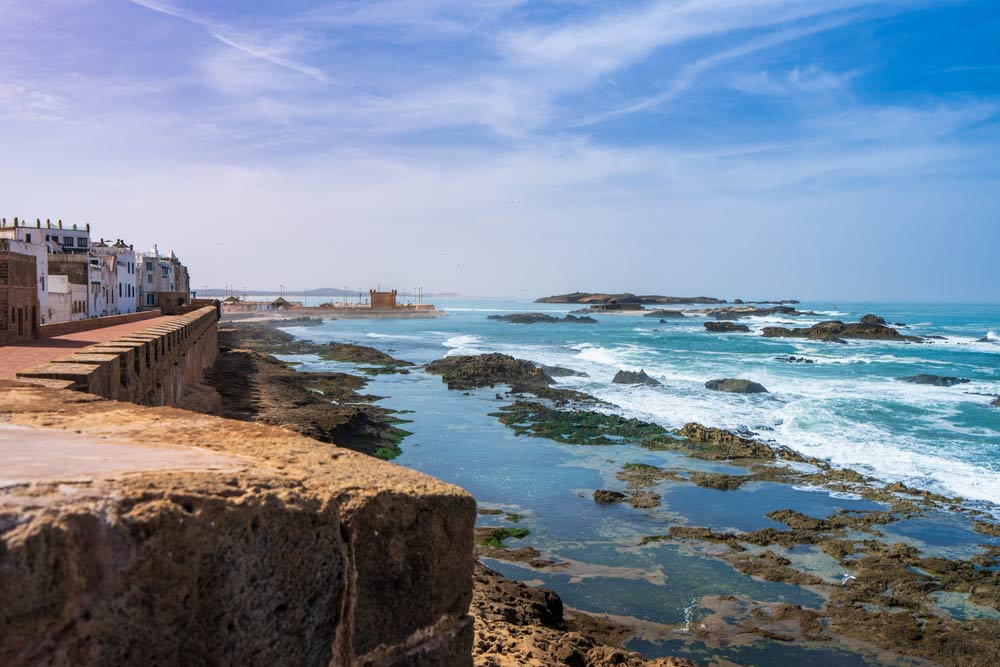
pixel 150 367
pixel 139 536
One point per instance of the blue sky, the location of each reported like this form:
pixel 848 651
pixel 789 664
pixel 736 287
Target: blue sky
pixel 844 149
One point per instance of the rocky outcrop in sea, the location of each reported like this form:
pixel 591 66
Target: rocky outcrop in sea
pixel 631 377
pixel 726 327
pixel 838 332
pixel 736 386
pixel 541 318
pixel 934 380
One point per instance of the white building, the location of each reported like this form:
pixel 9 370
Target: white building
pixel 160 273
pixel 120 277
pixel 66 301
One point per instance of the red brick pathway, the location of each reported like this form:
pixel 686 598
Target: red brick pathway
pixel 14 358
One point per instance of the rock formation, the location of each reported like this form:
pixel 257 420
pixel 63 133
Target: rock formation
pixel 631 377
pixel 599 298
pixel 934 380
pixel 666 314
pixel 606 497
pixel 792 359
pixel 541 318
pixel 726 327
pixel 736 386
pixel 521 626
pixel 488 370
pixel 996 403
pixel 837 331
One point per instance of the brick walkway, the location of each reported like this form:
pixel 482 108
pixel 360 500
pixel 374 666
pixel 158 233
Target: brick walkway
pixel 14 358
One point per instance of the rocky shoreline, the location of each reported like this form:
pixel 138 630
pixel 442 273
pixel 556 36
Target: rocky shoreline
pixel 887 604
pixel 514 624
pixel 255 386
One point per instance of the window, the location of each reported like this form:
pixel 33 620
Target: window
pixel 149 266
pixel 149 278
pixel 81 242
pixel 27 238
pixel 164 271
pixel 119 290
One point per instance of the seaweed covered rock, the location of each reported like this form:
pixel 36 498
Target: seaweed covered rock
pixel 361 354
pixel 717 443
pixel 934 380
pixel 606 497
pixel 488 370
pixel 631 377
pixel 519 625
pixel 726 327
pixel 736 386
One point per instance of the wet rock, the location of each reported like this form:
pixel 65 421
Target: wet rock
pixel 795 360
pixel 601 298
pixel 488 370
pixel 606 497
pixel 873 319
pixel 837 331
pixel 630 377
pixel 726 327
pixel 662 321
pixel 518 625
pixel 736 386
pixel 360 354
pixel 996 403
pixel 719 481
pixel 934 380
pixel 541 318
pixel 717 443
pixel 562 372
pixel 324 406
pixel 665 314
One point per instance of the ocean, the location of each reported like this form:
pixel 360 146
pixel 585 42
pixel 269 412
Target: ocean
pixel 848 407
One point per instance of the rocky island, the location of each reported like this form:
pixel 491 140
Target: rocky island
pixel 869 327
pixel 601 298
pixel 541 318
pixel 726 327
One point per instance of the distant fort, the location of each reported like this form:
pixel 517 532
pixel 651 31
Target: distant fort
pixel 380 305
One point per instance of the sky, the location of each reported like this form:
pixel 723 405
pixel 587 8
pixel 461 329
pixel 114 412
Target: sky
pixel 843 149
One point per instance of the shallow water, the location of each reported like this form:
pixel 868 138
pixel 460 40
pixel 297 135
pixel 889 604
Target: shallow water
pixel 848 407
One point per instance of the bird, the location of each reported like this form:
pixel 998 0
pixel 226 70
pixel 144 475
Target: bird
pixel 845 579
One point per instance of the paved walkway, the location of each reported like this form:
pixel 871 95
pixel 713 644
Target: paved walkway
pixel 17 357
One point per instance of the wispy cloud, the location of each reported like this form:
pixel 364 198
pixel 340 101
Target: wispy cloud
pixel 275 49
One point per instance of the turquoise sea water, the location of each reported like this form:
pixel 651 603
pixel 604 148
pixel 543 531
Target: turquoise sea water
pixel 847 407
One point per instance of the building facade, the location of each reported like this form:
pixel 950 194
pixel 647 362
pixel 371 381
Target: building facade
pixel 19 317
pixel 75 278
pixel 161 274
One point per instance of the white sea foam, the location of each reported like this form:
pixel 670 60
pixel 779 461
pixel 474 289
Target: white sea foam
pixel 463 344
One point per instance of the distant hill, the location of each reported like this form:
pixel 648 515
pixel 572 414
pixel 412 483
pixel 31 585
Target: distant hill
pixel 598 298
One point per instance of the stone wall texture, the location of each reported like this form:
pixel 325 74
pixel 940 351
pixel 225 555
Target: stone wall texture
pixel 181 539
pixel 19 313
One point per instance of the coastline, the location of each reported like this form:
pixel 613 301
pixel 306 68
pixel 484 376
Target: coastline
pixel 769 557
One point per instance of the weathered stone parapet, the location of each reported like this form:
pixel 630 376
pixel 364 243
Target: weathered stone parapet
pixel 142 536
pixel 150 367
pixel 77 326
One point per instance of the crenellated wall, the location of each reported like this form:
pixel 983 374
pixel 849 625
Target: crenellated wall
pixel 155 536
pixel 150 367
